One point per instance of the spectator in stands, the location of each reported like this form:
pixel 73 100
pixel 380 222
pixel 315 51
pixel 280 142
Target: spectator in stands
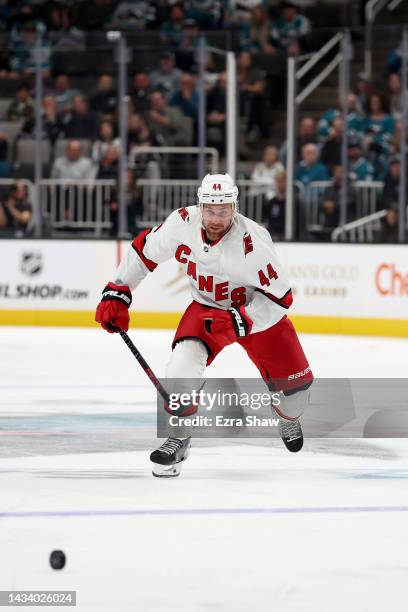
pixel 22 106
pixel 287 31
pixel 80 122
pixel 251 82
pixel 104 100
pixel 265 172
pixel 360 168
pixel 389 232
pixel 5 70
pixel 238 12
pixel 139 135
pixel 134 15
pixel 16 211
pixel 237 18
pixel 22 59
pixel 394 60
pixel 51 122
pixel 186 97
pixel 73 165
pixel 331 150
pixel 390 194
pixel 94 15
pixel 63 92
pixel 310 169
pixel 109 163
pixel 307 133
pixel 395 91
pixel 207 14
pixel 255 34
pixel 167 122
pixel 395 144
pixel 21 11
pixel 217 114
pixel 62 31
pixel 274 210
pixel 133 205
pixel 378 126
pixel 106 138
pixel 188 56
pixel 363 89
pixel 167 76
pixel 5 166
pixel 211 73
pixel 330 209
pixel 141 92
pixel 354 121
pixel 172 30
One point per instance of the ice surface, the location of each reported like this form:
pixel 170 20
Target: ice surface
pixel 247 526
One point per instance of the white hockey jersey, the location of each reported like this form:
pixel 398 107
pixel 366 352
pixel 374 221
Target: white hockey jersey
pixel 241 268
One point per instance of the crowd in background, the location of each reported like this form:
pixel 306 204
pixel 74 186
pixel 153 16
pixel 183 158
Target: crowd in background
pixel 373 154
pixel 163 100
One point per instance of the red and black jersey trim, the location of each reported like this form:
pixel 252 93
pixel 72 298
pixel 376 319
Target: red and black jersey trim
pixel 285 301
pixel 138 244
pixel 208 241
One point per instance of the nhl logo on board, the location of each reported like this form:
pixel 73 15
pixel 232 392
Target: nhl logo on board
pixel 31 263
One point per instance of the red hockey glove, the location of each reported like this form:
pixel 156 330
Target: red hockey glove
pixel 113 309
pixel 228 325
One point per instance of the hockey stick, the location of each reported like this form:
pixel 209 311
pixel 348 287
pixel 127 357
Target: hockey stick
pixel 142 361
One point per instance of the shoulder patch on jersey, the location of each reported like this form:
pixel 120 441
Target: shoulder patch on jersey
pixel 183 212
pixel 248 244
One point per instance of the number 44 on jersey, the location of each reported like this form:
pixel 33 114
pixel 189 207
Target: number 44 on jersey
pixel 271 274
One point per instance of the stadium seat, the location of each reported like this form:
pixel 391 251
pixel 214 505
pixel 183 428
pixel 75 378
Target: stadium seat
pixel 10 129
pixel 9 87
pixel 77 63
pixel 26 151
pixel 27 171
pixel 4 104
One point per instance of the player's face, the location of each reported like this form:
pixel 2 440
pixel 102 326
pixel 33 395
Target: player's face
pixel 217 219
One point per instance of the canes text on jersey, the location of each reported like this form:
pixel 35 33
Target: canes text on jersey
pixel 206 283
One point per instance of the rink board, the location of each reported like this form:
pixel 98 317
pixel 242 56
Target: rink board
pixel 345 289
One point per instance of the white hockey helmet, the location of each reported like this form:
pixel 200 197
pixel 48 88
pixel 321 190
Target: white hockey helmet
pixel 218 189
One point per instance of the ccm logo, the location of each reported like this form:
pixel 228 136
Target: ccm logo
pixel 299 374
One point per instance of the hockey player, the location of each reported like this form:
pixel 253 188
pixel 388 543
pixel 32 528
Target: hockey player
pixel 240 294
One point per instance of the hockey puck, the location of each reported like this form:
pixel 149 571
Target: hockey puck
pixel 57 559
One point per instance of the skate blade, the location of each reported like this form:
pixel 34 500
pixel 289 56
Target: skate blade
pixel 169 471
pixel 166 471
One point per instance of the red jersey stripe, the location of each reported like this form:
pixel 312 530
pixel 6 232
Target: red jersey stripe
pixel 285 301
pixel 138 244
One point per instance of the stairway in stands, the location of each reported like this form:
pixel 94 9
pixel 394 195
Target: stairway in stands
pixel 387 36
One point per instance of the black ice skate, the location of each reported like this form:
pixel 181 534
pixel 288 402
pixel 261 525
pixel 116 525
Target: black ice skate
pixel 168 458
pixel 291 434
